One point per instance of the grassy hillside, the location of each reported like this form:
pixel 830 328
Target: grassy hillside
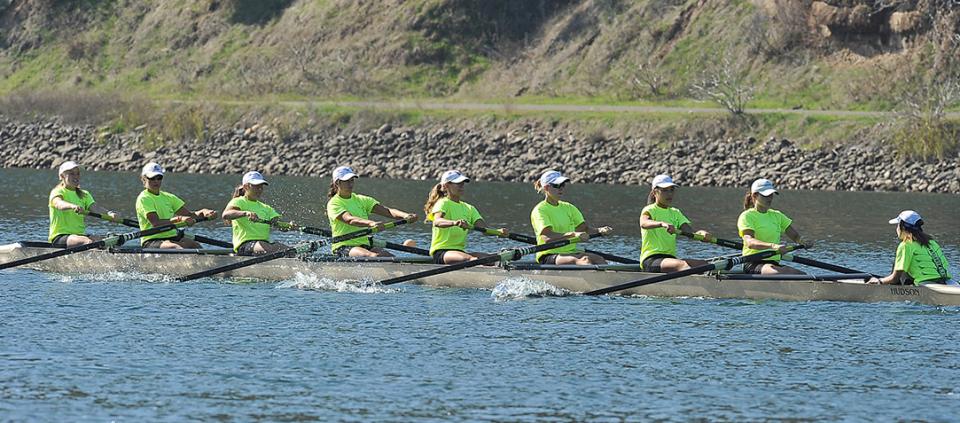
pixel 789 54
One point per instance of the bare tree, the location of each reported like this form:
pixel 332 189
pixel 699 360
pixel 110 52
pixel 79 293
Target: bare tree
pixel 727 83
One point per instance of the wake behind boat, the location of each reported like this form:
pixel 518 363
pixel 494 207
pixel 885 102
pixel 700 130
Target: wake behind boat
pixel 578 279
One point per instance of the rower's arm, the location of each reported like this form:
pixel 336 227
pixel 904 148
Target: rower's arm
pixel 795 236
pixel 548 235
pixel 352 220
pixel 756 244
pixel 233 212
pixel 104 211
pixel 156 221
pixel 892 278
pixel 601 231
pixel 440 222
pixel 647 222
pixel 60 204
pixel 394 213
pixel 686 227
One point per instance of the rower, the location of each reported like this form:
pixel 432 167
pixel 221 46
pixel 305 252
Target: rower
pixel 158 208
pixel 251 219
pixel 761 226
pixel 919 259
pixel 553 220
pixel 68 204
pixel 349 212
pixel 452 218
pixel 659 223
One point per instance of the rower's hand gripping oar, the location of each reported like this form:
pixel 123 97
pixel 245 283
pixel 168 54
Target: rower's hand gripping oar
pixel 106 242
pixel 363 232
pixel 505 255
pixel 133 224
pixel 725 264
pixel 789 257
pixel 531 240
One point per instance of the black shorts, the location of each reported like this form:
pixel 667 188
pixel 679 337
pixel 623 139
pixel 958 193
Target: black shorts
pixel 246 249
pixel 755 267
pixel 653 262
pixel 156 243
pixel 438 255
pixel 60 241
pixel 548 259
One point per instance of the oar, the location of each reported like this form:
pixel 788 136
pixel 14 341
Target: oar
pixel 505 255
pixel 717 265
pixel 106 242
pixel 531 240
pixel 789 257
pixel 133 224
pixel 306 247
pixel 364 232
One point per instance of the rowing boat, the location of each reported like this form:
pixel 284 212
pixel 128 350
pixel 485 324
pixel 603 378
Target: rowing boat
pixel 571 278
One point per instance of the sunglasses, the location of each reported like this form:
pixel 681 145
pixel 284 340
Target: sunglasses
pixel 558 186
pixel 156 178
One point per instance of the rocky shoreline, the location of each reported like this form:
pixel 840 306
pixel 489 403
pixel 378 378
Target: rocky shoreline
pixel 514 155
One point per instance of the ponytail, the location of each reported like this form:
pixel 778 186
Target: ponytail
pixel 538 186
pixel 238 191
pixel 436 193
pixel 333 189
pixel 652 196
pixel 748 201
pixel 915 233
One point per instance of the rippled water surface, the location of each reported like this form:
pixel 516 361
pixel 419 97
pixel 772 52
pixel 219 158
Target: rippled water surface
pixel 139 347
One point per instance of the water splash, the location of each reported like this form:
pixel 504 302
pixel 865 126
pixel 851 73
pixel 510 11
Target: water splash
pixel 316 283
pixel 114 276
pixel 520 288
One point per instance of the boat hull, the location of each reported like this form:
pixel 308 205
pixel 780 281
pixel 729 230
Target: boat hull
pixel 482 277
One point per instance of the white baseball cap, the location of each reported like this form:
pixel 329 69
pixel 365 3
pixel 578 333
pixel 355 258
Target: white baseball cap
pixel 909 217
pixel 67 165
pixel 343 173
pixel 662 181
pixel 763 186
pixel 152 169
pixel 453 176
pixel 552 177
pixel 254 178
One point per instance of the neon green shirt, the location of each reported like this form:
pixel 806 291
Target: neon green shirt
pixel 766 227
pixel 243 229
pixel 564 217
pixel 357 205
pixel 454 237
pixel 922 263
pixel 658 240
pixel 68 222
pixel 165 205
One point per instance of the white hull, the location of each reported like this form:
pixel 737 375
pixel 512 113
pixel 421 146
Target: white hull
pixel 100 261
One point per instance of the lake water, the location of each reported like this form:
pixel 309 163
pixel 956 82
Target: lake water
pixel 138 347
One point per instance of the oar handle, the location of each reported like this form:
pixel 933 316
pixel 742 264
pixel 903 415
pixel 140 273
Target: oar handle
pixel 304 248
pixel 398 247
pixel 718 241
